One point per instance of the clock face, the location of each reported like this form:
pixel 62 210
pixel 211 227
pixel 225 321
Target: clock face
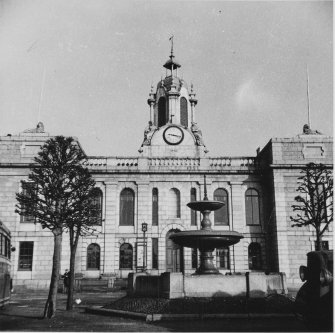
pixel 173 135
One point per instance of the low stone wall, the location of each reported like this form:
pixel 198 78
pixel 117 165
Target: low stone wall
pixel 177 285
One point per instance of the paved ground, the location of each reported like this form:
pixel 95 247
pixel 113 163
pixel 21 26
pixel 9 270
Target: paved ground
pixel 25 311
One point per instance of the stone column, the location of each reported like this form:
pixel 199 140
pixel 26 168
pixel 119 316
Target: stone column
pixel 111 223
pixel 237 223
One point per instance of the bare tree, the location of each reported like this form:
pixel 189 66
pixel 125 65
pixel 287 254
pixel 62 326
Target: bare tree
pixel 314 204
pixel 59 197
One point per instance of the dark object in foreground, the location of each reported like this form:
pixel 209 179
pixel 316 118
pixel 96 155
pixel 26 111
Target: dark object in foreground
pixel 314 301
pixel 199 305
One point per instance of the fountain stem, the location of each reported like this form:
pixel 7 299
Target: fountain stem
pixel 205 189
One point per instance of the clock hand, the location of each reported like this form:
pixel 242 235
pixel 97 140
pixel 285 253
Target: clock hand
pixel 178 136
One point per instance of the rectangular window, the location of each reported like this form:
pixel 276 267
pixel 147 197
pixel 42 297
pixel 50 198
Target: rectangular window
pixel 26 256
pixel 222 258
pixel 194 254
pixel 154 206
pixel 193 212
pixel 26 188
pixel 155 253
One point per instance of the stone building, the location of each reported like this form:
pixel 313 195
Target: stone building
pixel 155 186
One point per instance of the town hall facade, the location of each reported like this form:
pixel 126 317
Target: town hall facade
pixel 151 191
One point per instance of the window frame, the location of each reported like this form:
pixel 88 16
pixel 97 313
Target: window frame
pixel 99 194
pixel 183 111
pixel 155 253
pixel 252 205
pixel 223 210
pixel 131 213
pixel 132 257
pixel 223 256
pixel 24 218
pixel 155 206
pixel 97 259
pixel 193 197
pixel 257 254
pixel 25 256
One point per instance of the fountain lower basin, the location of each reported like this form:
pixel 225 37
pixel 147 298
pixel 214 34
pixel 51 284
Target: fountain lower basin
pixel 206 239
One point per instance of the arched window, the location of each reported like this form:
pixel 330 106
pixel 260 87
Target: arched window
pixel 222 258
pixel 255 256
pixel 93 256
pixel 154 206
pixel 162 112
pixel 221 216
pixel 174 203
pixel 183 112
pixel 126 256
pixel 193 212
pixel 96 206
pixel 252 207
pixel 127 204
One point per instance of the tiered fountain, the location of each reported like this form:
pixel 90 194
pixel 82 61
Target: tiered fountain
pixel 207 281
pixel 206 239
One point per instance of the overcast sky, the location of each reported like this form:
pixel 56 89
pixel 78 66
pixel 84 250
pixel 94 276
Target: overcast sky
pixel 84 68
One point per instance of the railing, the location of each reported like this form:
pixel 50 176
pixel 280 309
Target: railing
pixel 112 162
pixel 224 162
pixel 174 162
pixel 171 163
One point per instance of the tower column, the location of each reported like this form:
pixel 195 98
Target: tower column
pixel 193 102
pixel 173 100
pixel 151 102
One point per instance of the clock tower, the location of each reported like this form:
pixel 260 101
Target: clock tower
pixel 172 130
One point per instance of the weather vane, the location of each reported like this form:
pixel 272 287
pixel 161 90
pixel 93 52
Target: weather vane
pixel 171 39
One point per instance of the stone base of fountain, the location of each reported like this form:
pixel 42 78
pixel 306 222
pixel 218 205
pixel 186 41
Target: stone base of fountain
pixel 176 285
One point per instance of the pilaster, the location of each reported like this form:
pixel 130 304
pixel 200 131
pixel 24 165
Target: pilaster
pixel 110 253
pixel 237 223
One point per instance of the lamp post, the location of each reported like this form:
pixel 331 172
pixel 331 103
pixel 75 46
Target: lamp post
pixel 144 229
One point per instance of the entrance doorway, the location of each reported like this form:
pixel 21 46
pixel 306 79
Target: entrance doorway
pixel 174 254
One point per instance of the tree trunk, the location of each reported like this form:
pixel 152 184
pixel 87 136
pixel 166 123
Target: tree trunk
pixel 69 303
pixel 318 243
pixel 50 306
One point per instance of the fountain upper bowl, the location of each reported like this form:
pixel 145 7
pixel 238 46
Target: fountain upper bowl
pixel 204 205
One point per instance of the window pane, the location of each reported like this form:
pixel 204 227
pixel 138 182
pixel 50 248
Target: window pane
pixel 96 206
pixel 221 216
pixel 127 198
pixel 154 206
pixel 161 112
pixel 27 188
pixel 26 256
pixel 255 256
pixel 126 256
pixel 194 254
pixel 222 258
pixel 193 212
pixel 183 112
pixel 93 256
pixel 155 253
pixel 252 212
